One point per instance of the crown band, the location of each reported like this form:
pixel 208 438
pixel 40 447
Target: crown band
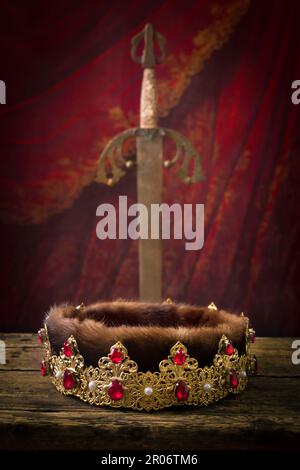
pixel 117 381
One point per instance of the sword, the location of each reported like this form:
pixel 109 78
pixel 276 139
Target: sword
pixel 149 136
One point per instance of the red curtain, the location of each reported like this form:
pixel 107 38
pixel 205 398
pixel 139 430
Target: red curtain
pixel 226 85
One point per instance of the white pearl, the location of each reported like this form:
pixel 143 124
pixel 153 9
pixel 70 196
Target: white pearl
pixel 148 391
pixel 92 385
pixel 243 374
pixel 58 374
pixel 207 387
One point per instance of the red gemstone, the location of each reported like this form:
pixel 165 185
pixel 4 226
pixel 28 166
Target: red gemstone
pixel 68 380
pixel 252 337
pixel 116 356
pixel 182 391
pixel 115 390
pixel 180 357
pixel 229 348
pixel 43 368
pixel 68 350
pixel 233 378
pixel 40 337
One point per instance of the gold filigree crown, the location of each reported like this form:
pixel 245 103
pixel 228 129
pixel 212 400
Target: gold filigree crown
pixel 117 382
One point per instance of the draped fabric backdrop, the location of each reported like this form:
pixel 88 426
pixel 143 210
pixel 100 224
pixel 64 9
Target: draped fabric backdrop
pixel 226 85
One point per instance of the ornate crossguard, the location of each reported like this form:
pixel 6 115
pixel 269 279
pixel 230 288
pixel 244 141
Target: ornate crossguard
pixel 149 142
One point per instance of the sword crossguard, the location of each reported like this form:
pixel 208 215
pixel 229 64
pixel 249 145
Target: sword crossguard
pixel 148 59
pixel 113 164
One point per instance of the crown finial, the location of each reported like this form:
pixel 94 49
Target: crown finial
pixel 212 306
pixel 81 306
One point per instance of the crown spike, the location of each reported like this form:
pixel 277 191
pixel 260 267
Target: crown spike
pixel 212 306
pixel 81 306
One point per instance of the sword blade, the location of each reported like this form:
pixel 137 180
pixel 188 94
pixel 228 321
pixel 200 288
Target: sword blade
pixel 149 187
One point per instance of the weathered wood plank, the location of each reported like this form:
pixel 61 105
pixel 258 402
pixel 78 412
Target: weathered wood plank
pixel 65 430
pixel 274 355
pixel 13 340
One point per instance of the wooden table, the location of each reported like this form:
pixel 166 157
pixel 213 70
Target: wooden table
pixel 33 415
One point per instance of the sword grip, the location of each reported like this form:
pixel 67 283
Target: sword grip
pixel 148 106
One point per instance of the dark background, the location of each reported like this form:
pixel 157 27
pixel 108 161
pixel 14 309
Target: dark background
pixel 226 85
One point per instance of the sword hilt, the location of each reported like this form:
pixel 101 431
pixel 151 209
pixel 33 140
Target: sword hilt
pixel 148 59
pixel 112 162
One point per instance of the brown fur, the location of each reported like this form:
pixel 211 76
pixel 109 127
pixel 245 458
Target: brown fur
pixel 148 330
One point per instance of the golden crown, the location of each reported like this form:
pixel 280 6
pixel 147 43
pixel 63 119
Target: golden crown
pixel 117 382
